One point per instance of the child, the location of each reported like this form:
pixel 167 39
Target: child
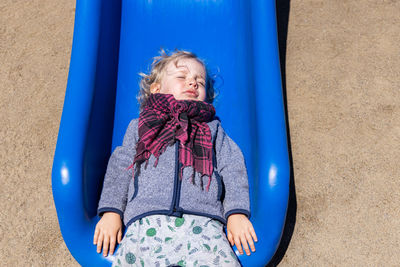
pixel 177 179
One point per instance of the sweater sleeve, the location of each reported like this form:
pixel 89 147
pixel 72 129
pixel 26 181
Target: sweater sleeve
pixel 118 176
pixel 232 170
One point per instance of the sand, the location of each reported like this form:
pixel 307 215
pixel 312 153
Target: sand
pixel 343 104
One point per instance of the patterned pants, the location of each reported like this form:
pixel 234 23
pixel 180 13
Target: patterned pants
pixel 161 240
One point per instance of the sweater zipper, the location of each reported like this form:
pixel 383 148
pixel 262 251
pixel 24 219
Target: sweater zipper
pixel 177 184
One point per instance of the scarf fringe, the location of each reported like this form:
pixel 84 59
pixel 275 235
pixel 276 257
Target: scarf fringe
pixel 192 178
pixel 135 166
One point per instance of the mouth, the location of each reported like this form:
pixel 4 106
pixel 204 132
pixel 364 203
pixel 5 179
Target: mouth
pixel 191 93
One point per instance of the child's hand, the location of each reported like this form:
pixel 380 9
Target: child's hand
pixel 240 231
pixel 107 229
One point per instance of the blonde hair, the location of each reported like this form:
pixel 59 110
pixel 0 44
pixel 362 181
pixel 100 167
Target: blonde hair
pixel 158 67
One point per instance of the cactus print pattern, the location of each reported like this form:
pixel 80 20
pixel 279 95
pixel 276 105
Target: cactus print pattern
pixel 161 240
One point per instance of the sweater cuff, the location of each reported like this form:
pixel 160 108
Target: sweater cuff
pixel 101 211
pixel 242 211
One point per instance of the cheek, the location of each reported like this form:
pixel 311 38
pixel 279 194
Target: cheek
pixel 173 85
pixel 203 94
pixel 166 88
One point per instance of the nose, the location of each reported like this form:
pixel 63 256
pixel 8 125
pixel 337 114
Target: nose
pixel 192 82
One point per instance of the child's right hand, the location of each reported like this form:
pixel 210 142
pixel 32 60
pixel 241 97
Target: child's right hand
pixel 108 230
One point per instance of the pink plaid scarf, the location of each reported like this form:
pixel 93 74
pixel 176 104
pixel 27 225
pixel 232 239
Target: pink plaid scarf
pixel 165 119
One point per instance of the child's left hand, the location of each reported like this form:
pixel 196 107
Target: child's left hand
pixel 240 231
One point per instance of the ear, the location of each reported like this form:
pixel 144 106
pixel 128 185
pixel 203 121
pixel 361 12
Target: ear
pixel 155 88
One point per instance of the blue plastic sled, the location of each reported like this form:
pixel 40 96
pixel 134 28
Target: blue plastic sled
pixel 114 41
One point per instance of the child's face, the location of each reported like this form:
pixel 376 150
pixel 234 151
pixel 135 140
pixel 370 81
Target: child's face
pixel 186 80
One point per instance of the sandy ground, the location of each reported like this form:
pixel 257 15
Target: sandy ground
pixel 343 98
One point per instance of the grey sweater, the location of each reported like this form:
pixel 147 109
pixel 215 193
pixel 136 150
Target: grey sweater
pixel 158 190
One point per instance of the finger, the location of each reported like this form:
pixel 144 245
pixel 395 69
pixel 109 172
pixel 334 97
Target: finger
pixel 253 233
pixel 230 238
pixel 96 236
pixel 119 236
pixel 106 243
pixel 245 245
pixel 238 244
pixel 250 241
pixel 99 242
pixel 112 244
